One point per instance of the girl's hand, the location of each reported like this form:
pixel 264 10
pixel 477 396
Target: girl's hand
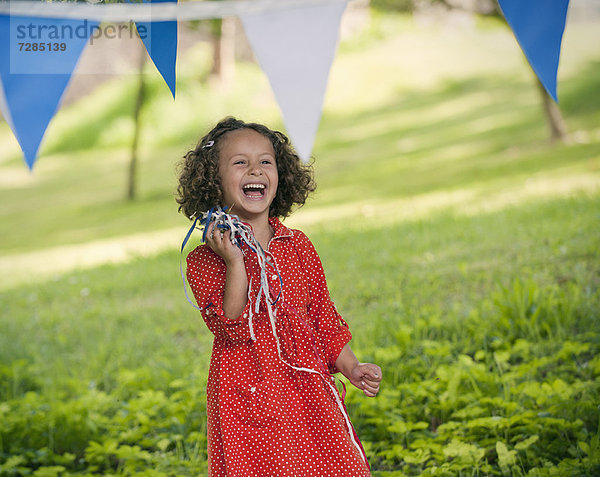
pixel 366 376
pixel 219 241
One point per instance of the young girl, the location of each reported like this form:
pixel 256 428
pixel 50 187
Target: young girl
pixel 272 408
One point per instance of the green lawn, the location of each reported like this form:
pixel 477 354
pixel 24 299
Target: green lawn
pixel 459 244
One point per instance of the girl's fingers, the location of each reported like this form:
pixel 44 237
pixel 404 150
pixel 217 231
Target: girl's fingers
pixel 215 235
pixel 219 240
pixel 215 239
pixel 375 372
pixel 210 234
pixel 370 393
pixel 371 371
pixel 371 377
pixel 372 387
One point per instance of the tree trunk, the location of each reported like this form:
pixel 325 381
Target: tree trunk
pixel 223 68
pixel 556 123
pixel 131 183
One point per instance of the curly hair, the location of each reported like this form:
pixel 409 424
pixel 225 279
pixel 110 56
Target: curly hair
pixel 199 186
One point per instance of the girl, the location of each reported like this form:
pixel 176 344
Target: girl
pixel 272 408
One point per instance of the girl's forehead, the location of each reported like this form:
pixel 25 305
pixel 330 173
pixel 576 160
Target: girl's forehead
pixel 245 141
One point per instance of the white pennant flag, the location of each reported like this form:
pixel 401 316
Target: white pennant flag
pixel 295 48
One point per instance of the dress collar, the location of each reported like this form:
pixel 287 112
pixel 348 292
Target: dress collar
pixel 281 231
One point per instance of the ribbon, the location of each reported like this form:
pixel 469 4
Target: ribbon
pixel 185 241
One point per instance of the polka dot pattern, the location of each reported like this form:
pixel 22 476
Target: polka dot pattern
pixel 264 418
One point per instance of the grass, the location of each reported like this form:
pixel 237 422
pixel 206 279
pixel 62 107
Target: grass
pixel 420 296
pixel 114 312
pixel 461 247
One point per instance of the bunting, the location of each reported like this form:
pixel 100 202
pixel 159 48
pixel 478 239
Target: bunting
pixel 538 26
pixel 37 59
pixel 160 40
pixel 294 41
pixel 295 48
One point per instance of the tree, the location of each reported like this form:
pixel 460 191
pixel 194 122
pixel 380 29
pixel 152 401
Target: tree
pixel 139 102
pixel 223 42
pixel 554 119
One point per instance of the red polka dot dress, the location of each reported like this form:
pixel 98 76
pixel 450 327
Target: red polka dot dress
pixel 265 418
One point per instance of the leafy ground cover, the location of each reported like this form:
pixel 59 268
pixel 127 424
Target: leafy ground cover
pixel 489 344
pixel 459 245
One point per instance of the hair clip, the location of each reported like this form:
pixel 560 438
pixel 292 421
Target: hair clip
pixel 208 144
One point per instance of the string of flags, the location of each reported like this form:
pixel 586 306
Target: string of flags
pixel 294 42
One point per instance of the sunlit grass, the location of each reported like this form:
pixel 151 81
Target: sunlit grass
pixel 397 250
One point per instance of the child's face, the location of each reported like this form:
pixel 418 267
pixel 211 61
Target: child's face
pixel 248 173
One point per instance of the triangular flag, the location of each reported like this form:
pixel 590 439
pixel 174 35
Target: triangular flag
pixel 538 26
pixel 4 107
pixel 160 39
pixel 295 48
pixel 37 59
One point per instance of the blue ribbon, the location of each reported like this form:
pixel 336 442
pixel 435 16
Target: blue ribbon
pixel 206 222
pixel 185 241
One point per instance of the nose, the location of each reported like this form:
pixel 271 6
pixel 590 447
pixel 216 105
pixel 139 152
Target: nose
pixel 255 170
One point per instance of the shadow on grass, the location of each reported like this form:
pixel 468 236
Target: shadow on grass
pixel 481 132
pixel 464 132
pixel 89 130
pixel 579 95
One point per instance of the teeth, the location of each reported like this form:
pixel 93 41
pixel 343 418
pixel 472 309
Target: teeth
pixel 254 186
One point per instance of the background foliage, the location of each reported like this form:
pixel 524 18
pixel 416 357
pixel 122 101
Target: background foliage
pixel 459 244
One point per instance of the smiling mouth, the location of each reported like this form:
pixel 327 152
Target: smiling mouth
pixel 254 191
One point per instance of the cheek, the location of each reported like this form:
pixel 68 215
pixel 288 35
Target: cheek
pixel 276 188
pixel 225 191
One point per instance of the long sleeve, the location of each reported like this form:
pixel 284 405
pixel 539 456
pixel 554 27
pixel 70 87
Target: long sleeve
pixel 332 331
pixel 206 276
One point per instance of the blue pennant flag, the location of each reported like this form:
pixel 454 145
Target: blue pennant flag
pixel 37 59
pixel 538 26
pixel 160 39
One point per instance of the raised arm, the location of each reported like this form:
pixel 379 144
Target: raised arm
pixel 235 295
pixel 221 293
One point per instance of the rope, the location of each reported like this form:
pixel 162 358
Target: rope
pixel 147 12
